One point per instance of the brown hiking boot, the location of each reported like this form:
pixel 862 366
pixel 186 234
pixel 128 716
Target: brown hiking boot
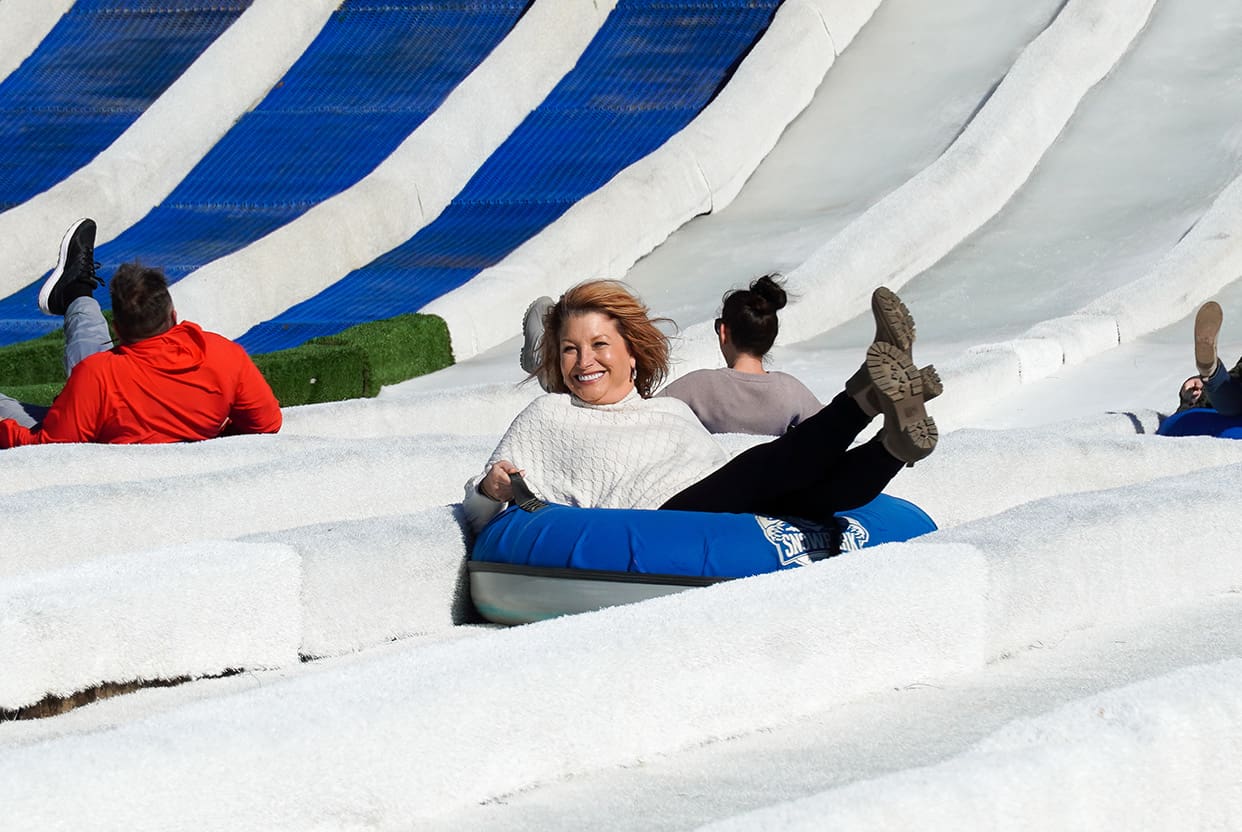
pixel 909 433
pixel 860 387
pixel 1207 327
pixel 893 323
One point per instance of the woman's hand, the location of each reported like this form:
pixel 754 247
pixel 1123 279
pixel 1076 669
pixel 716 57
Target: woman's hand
pixel 1192 391
pixel 496 484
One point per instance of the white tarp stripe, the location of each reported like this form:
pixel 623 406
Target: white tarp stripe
pixel 23 26
pixel 923 220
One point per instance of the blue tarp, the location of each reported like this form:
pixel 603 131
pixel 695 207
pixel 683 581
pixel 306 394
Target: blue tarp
pixel 650 69
pixel 98 69
pixel 374 73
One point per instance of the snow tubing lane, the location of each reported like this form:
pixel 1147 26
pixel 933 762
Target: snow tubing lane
pixel 559 560
pixel 1201 421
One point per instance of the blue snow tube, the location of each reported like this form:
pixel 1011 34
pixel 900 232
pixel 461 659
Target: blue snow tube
pixel 1201 421
pixel 531 565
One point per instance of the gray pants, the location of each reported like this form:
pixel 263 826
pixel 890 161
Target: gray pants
pixel 86 333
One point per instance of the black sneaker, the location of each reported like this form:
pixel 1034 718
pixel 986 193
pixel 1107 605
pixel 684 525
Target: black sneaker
pixel 74 275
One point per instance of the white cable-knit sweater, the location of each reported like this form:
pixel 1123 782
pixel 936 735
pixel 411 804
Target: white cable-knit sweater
pixel 636 453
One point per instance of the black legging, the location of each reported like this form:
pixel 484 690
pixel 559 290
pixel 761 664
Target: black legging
pixel 810 472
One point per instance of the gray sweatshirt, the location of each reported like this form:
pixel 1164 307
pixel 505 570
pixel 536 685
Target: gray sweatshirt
pixel 728 401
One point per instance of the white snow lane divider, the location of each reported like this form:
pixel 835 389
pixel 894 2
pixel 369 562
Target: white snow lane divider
pixel 412 733
pixel 1178 736
pixel 192 610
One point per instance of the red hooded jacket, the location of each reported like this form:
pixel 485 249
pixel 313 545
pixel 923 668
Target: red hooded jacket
pixel 184 384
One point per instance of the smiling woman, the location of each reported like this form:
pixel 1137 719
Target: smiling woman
pixel 599 439
pixel 595 362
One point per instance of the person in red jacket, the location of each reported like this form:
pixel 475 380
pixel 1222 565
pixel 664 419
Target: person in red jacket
pixel 163 381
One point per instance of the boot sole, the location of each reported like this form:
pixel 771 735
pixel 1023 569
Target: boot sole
pixel 45 292
pixel 912 433
pixel 893 322
pixel 860 383
pixel 1207 327
pixel 932 385
pixel 528 358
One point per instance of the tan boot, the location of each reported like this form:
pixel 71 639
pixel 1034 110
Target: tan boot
pixel 909 433
pixel 1207 327
pixel 893 322
pixel 861 388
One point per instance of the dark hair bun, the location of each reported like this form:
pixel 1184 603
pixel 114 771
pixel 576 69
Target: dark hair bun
pixel 750 314
pixel 767 288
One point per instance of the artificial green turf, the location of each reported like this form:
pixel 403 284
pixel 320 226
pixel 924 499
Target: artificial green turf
pixel 33 362
pixel 41 394
pixel 353 364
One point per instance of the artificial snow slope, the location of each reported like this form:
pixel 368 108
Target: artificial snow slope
pixel 478 718
pixel 796 775
pixel 856 142
pixel 1063 653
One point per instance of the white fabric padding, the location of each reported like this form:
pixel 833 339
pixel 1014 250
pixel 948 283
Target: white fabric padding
pixel 980 473
pixel 484 409
pixel 323 480
pixel 1079 336
pixel 1143 561
pixel 149 159
pixel 368 582
pixel 191 610
pixel 405 192
pixel 472 720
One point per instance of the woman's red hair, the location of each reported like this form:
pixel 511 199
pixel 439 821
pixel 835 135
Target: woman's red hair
pixel 648 345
